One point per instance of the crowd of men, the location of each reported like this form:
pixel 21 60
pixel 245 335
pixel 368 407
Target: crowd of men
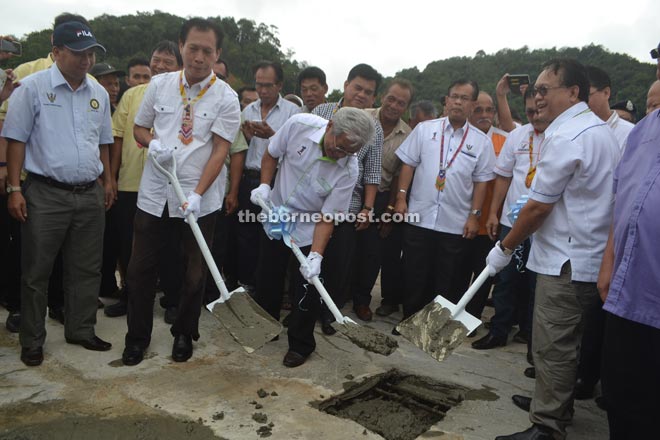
pixel 561 210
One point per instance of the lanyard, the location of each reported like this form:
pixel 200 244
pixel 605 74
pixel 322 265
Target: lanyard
pixel 186 131
pixel 442 174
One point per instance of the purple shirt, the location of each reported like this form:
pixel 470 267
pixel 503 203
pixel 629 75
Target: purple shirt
pixel 635 287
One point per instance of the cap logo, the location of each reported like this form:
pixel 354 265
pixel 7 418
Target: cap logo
pixel 629 106
pixel 84 33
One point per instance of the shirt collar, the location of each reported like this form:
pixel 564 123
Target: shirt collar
pixel 400 127
pixel 57 79
pixel 450 128
pixel 613 120
pixel 200 84
pixel 570 113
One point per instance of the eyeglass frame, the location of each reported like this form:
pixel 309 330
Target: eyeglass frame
pixel 341 149
pixel 543 90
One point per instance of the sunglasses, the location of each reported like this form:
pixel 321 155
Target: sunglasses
pixel 543 90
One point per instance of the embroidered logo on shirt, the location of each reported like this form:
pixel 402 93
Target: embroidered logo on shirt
pixel 51 97
pixel 301 150
pixel 433 138
pixel 468 146
pixel 94 104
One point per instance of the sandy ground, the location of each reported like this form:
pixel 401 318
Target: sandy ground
pixel 223 392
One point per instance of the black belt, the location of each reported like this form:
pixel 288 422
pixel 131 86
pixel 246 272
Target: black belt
pixel 80 187
pixel 252 173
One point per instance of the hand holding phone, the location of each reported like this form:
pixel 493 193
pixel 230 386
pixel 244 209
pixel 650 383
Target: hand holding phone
pixel 515 81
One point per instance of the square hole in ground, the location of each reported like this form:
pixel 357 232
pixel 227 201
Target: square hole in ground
pixel 396 405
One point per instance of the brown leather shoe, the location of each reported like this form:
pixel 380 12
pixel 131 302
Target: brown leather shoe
pixel 363 312
pixel 293 359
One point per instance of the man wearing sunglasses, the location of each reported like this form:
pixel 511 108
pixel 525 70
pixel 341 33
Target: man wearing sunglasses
pixel 318 170
pixel 569 211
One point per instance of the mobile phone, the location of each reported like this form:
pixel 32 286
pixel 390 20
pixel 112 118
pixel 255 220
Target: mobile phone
pixel 3 78
pixel 515 81
pixel 9 46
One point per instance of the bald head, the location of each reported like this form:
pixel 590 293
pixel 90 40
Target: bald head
pixel 653 97
pixel 483 114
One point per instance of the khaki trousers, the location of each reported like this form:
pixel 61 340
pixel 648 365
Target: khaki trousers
pixel 556 336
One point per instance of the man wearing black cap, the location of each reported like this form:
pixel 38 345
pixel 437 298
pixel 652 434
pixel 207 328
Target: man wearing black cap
pixel 108 77
pixel 58 129
pixel 655 54
pixel 626 110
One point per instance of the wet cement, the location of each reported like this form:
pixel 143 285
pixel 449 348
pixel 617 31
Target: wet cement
pixel 250 325
pixel 368 338
pixel 396 405
pixel 432 330
pixel 74 427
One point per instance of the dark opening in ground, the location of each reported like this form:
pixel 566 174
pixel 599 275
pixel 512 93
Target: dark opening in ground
pixel 396 405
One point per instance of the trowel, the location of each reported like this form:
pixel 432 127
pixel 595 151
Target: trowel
pixel 441 325
pixel 249 324
pixel 364 337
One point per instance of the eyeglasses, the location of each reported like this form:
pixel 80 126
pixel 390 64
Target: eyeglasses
pixel 543 90
pixel 530 112
pixel 455 97
pixel 264 85
pixel 341 149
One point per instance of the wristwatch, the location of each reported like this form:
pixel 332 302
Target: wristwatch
pixel 11 189
pixel 476 212
pixel 505 251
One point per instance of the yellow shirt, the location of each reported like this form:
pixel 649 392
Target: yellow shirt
pixel 133 156
pixel 24 70
pixel 239 144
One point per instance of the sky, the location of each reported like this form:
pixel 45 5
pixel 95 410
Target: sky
pixel 392 36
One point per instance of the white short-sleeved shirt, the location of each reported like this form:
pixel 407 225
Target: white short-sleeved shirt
pixel 621 128
pixel 61 127
pixel 217 112
pixel 514 162
pixel 276 117
pixel 575 174
pixel 448 210
pixel 308 182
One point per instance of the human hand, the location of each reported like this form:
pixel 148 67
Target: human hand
pixel 492 226
pixel 497 259
pixel 312 266
pixel 261 192
pixel 159 151
pixel 192 205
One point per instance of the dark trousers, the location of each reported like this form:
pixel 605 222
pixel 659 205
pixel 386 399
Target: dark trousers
pixel 125 208
pixel 271 271
pixel 247 233
pixel 224 253
pixel 471 262
pixel 391 268
pixel 591 349
pixel 152 238
pixel 631 378
pixel 513 292
pixel 336 266
pixel 73 223
pixel 429 260
pixel 111 243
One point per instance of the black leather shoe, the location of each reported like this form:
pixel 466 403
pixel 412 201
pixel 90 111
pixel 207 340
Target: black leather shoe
pixel 56 313
pixel 530 372
pixel 13 323
pixel 118 309
pixel 170 315
pixel 583 390
pixel 293 359
pixel 182 349
pixel 327 328
pixel 536 432
pixel 386 309
pixel 132 355
pixel 94 343
pixel 32 357
pixel 487 342
pixel 522 402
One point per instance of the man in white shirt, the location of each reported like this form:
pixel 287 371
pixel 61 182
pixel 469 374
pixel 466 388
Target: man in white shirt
pixel 569 210
pixel 260 120
pixel 192 116
pixel 318 170
pixel 600 89
pixel 452 161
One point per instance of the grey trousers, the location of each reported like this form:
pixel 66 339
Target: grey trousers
pixel 557 332
pixel 59 219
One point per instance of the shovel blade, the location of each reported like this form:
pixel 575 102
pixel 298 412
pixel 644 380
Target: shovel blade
pixel 433 331
pixel 470 322
pixel 250 325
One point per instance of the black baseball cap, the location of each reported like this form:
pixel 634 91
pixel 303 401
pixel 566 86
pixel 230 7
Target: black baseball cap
pixel 655 53
pixel 100 69
pixel 75 36
pixel 625 105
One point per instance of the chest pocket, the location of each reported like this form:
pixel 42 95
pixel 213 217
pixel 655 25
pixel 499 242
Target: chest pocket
pixel 321 186
pixel 203 120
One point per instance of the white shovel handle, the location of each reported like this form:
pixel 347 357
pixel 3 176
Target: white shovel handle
pixel 469 294
pixel 315 280
pixel 197 232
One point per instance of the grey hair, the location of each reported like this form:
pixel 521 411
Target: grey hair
pixel 426 107
pixel 357 124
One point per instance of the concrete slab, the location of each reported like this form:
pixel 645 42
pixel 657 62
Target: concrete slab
pixel 219 386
